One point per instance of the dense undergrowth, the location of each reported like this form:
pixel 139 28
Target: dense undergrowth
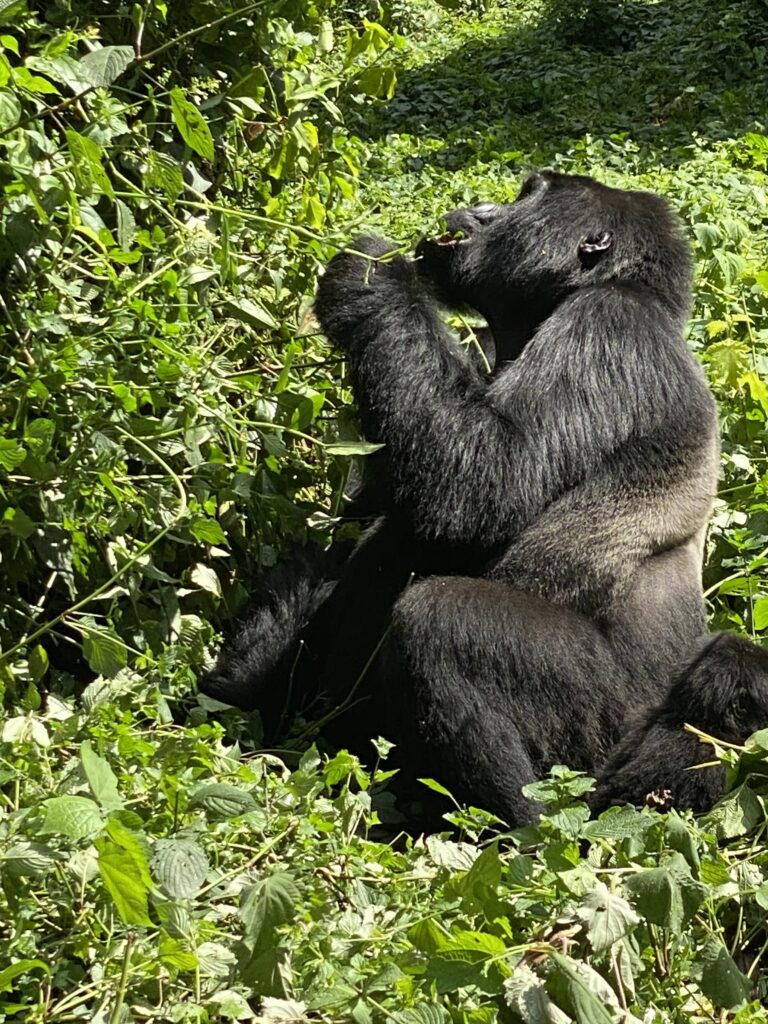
pixel 174 176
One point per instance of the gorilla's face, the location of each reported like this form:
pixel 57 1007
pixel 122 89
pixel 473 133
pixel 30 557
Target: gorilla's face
pixel 562 233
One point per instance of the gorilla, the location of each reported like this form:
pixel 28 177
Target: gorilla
pixel 529 575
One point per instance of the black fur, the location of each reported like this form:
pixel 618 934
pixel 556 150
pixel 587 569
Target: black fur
pixel 534 573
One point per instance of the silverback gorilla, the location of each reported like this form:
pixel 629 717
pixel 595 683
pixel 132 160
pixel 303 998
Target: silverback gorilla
pixel 530 576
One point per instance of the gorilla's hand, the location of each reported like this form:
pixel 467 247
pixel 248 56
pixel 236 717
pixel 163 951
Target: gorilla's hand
pixel 358 284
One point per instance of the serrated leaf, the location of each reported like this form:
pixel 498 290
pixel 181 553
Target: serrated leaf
pixel 73 816
pixel 220 800
pixel 208 531
pixel 125 872
pixel 102 67
pixel 105 652
pixel 29 858
pixel 607 917
pixel 101 778
pixel 623 823
pixel 524 992
pixel 736 814
pixel 268 904
pixel 180 866
pixel 192 126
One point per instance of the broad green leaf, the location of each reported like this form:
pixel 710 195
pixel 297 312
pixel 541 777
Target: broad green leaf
pixel 268 904
pixel 721 980
pixel 606 916
pixel 73 816
pixel 163 172
pixel 102 67
pixel 428 936
pixel 250 312
pixel 208 531
pixel 10 115
pixel 525 993
pixel 760 614
pixel 192 126
pixel 125 872
pixel 618 823
pixel 101 778
pixel 222 801
pixel 736 814
pixel 205 578
pixel 180 866
pixel 86 163
pixel 29 858
pixel 105 652
pixel 658 897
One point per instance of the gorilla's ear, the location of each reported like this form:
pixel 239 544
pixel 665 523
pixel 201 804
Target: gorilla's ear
pixel 596 243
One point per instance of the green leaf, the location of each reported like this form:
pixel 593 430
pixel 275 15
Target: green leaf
pixel 525 993
pixel 29 858
pixel 607 917
pixel 105 652
pixel 736 814
pixel 357 448
pixel 86 163
pixel 428 936
pixel 721 980
pixel 124 870
pixel 208 531
pixel 102 67
pixel 618 823
pixel 250 312
pixel 760 614
pixel 11 454
pixel 180 866
pixel 163 172
pixel 268 904
pixel 222 801
pixel 101 778
pixel 73 816
pixel 8 974
pixel 192 126
pixel 658 897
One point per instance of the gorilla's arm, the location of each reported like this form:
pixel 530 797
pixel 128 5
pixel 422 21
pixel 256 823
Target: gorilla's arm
pixel 479 462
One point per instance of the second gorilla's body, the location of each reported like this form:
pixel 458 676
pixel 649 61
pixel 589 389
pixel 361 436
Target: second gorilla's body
pixel 535 570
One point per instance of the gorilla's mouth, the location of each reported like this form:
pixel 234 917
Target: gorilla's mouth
pixel 452 238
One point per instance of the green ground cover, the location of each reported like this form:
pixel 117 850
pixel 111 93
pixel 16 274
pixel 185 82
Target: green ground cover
pixel 174 176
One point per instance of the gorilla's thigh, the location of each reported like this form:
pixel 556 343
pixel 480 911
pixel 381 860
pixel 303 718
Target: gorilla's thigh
pixel 495 685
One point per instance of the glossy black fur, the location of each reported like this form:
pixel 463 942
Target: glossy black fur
pixel 533 574
pixel 723 690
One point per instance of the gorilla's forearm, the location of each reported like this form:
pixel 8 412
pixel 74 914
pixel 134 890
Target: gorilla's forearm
pixel 471 461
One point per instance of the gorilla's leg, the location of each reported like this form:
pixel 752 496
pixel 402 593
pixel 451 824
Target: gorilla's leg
pixel 722 690
pixel 258 662
pixel 494 686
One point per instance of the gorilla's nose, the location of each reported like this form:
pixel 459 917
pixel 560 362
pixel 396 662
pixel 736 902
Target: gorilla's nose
pixel 468 219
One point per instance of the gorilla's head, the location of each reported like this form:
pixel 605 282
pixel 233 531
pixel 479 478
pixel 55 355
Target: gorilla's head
pixel 563 232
